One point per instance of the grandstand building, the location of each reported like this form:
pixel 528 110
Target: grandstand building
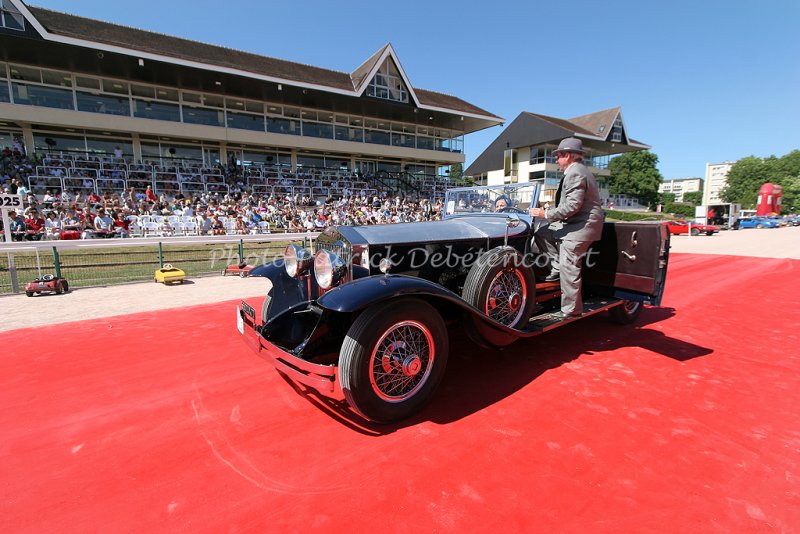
pixel 81 93
pixel 523 152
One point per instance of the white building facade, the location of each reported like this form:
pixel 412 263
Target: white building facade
pixel 716 180
pixel 523 152
pixel 680 186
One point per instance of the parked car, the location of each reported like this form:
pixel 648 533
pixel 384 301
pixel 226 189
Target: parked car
pixel 48 283
pixel 781 221
pixel 368 314
pixel 168 275
pixel 678 227
pixel 241 270
pixel 757 222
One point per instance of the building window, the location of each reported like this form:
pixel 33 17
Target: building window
pixel 616 131
pixel 388 84
pixel 35 95
pixel 209 117
pixel 10 17
pixel 156 110
pixel 98 103
pixel 243 121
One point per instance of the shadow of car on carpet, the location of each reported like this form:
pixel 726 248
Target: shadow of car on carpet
pixel 478 377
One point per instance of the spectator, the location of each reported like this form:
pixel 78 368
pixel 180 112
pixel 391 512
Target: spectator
pixel 240 226
pixel 122 225
pixel 53 225
pixel 217 227
pixel 103 224
pixel 17 226
pixel 149 195
pixel 34 226
pixel 166 229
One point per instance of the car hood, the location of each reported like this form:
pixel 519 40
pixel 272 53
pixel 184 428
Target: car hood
pixel 452 229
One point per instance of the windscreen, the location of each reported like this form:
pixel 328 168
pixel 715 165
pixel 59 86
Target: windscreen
pixel 491 199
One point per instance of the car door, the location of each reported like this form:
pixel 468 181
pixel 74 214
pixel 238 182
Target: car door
pixel 630 261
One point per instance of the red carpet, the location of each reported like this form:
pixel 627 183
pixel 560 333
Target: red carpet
pixel 165 421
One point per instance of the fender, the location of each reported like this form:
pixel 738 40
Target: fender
pixel 286 291
pixel 359 294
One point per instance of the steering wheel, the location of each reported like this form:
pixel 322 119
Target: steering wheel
pixel 511 209
pixel 48 278
pixel 167 266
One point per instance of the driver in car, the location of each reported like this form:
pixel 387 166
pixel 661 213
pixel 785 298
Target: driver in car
pixel 502 203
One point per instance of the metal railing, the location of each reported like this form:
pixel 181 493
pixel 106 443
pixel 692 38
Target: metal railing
pixel 117 261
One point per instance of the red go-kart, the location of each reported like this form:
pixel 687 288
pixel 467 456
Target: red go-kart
pixel 242 269
pixel 47 284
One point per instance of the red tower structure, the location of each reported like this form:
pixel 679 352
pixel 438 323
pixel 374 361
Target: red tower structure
pixel 769 200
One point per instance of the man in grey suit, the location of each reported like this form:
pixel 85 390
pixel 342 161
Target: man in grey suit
pixel 575 222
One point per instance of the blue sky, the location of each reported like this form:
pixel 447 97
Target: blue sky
pixel 699 81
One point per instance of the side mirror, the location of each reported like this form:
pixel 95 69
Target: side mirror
pixel 513 220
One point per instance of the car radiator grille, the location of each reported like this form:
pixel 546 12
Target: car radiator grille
pixel 332 244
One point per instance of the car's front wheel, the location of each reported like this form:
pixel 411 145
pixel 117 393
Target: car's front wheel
pixel 502 287
pixel 695 231
pixel 627 312
pixel 392 359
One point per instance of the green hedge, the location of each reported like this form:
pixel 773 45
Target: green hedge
pixel 686 210
pixel 614 215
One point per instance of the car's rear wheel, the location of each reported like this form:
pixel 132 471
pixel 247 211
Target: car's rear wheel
pixel 242 274
pixel 759 225
pixel 65 285
pixel 502 287
pixel 709 233
pixel 695 231
pixel 627 312
pixel 392 359
pixel 59 289
pixel 29 293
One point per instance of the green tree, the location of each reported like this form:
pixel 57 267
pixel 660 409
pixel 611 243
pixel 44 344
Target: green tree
pixel 744 180
pixel 748 175
pixel 456 171
pixel 635 174
pixel 664 198
pixel 693 197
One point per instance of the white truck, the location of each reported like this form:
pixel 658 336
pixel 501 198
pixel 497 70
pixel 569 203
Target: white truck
pixel 723 215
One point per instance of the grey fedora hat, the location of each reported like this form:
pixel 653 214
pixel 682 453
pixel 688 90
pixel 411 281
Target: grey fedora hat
pixel 570 144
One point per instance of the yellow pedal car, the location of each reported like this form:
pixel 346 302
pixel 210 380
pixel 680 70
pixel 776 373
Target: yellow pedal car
pixel 169 275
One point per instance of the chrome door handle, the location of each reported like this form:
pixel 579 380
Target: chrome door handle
pixel 631 257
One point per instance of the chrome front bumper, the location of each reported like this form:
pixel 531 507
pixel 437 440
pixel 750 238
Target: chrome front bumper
pixel 322 378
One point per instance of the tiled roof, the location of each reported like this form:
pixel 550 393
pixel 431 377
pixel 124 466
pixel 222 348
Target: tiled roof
pixel 598 123
pixel 96 31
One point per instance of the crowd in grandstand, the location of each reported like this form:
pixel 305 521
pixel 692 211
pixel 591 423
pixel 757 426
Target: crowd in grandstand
pixel 82 212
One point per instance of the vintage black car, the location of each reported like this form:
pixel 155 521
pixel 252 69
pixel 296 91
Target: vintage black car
pixel 366 315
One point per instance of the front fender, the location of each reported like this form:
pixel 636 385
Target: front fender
pixel 286 291
pixel 359 294
pixel 356 295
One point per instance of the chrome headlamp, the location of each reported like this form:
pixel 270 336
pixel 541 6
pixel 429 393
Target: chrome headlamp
pixel 329 269
pixel 297 260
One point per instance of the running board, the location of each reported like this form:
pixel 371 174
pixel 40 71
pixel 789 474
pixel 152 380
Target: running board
pixel 544 322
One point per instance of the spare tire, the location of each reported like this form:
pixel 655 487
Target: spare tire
pixel 502 287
